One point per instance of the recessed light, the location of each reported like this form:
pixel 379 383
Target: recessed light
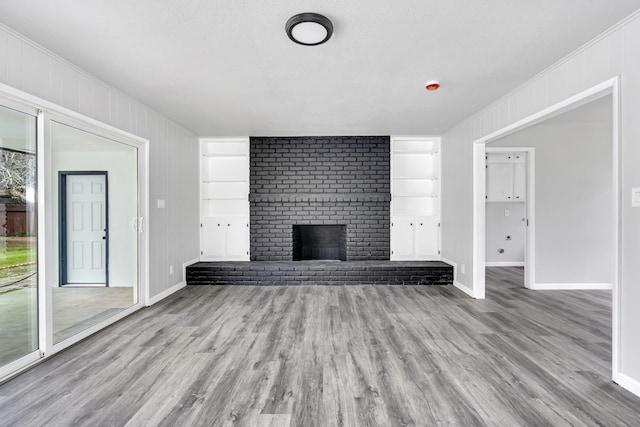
pixel 309 29
pixel 432 85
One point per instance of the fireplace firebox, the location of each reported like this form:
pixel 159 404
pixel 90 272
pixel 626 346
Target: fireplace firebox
pixel 319 242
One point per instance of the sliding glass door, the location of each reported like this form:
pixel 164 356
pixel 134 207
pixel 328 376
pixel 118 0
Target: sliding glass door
pixel 72 248
pixel 18 236
pixel 95 210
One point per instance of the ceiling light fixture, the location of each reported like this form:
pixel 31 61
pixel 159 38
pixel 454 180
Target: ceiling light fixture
pixel 309 29
pixel 432 85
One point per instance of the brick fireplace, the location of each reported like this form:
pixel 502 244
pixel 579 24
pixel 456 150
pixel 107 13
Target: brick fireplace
pixel 313 201
pixel 319 181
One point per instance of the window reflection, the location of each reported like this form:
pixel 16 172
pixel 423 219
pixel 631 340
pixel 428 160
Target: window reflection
pixel 18 236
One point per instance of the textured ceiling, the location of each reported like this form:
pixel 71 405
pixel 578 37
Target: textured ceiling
pixel 228 68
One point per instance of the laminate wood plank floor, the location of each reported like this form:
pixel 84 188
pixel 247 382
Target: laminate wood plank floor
pixel 338 356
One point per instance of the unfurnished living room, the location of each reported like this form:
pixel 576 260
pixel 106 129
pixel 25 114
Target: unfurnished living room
pixel 218 213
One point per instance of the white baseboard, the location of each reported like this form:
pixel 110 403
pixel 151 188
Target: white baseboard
pixel 504 264
pixel 162 295
pixel 629 383
pixel 570 286
pixel 184 268
pixel 455 267
pixel 464 288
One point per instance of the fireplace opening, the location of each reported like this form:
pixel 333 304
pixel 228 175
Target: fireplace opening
pixel 311 242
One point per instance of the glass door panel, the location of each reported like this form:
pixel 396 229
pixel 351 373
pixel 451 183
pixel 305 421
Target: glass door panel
pixel 95 211
pixel 18 236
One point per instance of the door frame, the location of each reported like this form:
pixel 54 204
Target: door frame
pixel 608 87
pixel 530 209
pixel 62 223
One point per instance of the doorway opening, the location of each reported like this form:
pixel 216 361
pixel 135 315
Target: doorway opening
pixel 609 178
pixel 509 207
pixel 84 228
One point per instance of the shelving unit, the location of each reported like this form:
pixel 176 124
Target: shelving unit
pixel 415 198
pixel 224 199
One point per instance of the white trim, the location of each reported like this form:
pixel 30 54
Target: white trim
pixel 79 120
pixel 479 221
pixel 596 92
pixel 454 265
pixel 143 197
pixel 616 185
pixel 93 329
pixel 45 222
pixel 505 264
pixel 570 286
pixel 608 87
pixel 464 288
pixel 162 295
pixel 184 268
pixel 18 366
pixel 629 384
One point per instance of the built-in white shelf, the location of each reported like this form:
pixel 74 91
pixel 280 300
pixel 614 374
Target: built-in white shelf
pixel 224 199
pixel 415 198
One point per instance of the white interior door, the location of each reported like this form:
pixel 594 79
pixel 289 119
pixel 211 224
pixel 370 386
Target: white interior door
pixel 86 229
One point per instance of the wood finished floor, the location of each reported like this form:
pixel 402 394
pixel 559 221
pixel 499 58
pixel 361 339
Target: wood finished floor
pixel 338 356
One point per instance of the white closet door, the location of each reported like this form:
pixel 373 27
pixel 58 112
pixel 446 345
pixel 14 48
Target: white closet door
pixel 237 230
pixel 520 177
pixel 213 241
pixel 427 234
pixel 402 239
pixel 499 177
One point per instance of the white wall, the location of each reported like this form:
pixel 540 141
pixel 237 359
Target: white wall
pixel 498 225
pixel 573 194
pixel 614 53
pixel 173 151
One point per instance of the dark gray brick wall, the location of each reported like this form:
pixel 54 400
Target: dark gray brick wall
pixel 282 273
pixel 320 180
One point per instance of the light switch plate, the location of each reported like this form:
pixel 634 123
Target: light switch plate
pixel 161 204
pixel 506 212
pixel 635 197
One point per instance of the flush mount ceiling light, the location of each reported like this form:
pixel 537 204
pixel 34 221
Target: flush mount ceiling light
pixel 309 29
